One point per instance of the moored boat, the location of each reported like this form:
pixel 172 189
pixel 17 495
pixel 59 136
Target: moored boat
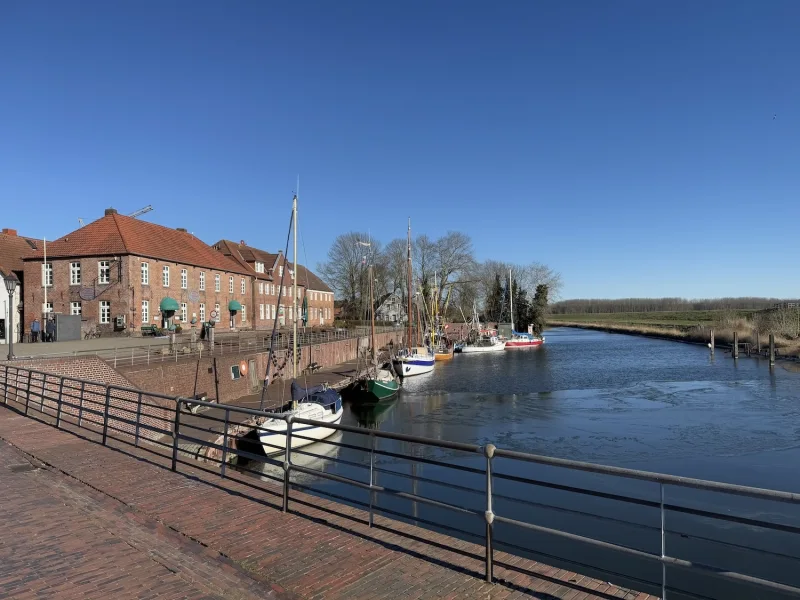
pixel 492 344
pixel 414 361
pixel 523 340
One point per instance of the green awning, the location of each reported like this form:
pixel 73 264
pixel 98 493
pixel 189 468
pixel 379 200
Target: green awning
pixel 234 305
pixel 169 304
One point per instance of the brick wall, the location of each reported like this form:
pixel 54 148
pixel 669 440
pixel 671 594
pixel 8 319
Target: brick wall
pixel 178 378
pixel 83 384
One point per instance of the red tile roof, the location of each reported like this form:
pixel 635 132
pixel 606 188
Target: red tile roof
pixel 118 234
pixel 247 255
pixel 13 248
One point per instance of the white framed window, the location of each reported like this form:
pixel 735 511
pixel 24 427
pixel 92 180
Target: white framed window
pixel 280 271
pixel 216 282
pixel 244 288
pixel 202 281
pixel 47 274
pixel 259 267
pixel 261 288
pixel 273 312
pixel 145 273
pixel 216 308
pixel 184 279
pixel 202 313
pixel 145 311
pixel 184 313
pixel 230 285
pixel 261 311
pixel 105 312
pixel 244 313
pixel 75 274
pixel 104 272
pixel 165 277
pixel 48 308
pixel 299 293
pixel 75 308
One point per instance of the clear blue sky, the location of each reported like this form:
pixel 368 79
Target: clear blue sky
pixel 630 145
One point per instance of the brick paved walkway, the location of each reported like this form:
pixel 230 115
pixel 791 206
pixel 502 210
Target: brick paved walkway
pixel 123 526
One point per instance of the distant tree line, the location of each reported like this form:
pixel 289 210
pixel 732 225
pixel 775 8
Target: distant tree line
pixel 592 306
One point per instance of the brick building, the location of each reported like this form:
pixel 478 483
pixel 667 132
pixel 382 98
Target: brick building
pixel 118 269
pixel 12 248
pixel 270 272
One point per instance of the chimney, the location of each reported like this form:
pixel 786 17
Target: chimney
pixel 183 229
pixel 111 211
pixel 8 231
pixel 242 243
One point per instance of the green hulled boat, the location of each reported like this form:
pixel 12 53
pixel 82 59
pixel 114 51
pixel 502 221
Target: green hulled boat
pixel 381 390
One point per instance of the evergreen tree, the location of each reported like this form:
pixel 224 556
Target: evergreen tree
pixel 539 316
pixel 494 301
pixel 522 308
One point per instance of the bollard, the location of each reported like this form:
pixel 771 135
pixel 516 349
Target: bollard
pixel 711 345
pixel 735 348
pixel 771 349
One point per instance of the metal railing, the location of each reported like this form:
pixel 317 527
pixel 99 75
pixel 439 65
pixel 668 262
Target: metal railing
pixel 164 350
pixel 161 424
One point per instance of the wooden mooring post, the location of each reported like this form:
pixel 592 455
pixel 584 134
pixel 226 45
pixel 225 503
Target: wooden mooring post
pixel 711 344
pixel 771 349
pixel 735 348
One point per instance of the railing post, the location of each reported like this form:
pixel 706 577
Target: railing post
pixel 80 404
pixel 287 462
pixel 225 442
pixel 175 433
pixel 663 547
pixel 105 414
pixel 138 417
pixel 5 384
pixel 488 450
pixel 58 400
pixel 371 475
pixel 28 392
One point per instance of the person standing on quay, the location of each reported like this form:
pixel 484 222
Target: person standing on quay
pixel 50 329
pixel 35 328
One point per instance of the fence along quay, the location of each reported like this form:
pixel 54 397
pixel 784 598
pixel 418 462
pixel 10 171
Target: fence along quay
pixel 153 423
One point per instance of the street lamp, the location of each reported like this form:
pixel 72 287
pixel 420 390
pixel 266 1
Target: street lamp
pixel 11 282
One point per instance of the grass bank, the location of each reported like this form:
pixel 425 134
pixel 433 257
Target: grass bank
pixel 681 327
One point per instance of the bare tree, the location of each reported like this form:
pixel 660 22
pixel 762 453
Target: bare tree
pixel 346 269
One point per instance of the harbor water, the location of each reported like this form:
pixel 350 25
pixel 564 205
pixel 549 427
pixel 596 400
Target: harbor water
pixel 611 399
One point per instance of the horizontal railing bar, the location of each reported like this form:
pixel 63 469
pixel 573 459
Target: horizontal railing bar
pixel 668 560
pixel 454 486
pixel 689 482
pixel 430 461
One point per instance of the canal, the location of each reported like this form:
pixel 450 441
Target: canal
pixel 611 399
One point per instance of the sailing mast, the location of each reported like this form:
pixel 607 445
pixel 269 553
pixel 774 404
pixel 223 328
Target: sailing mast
pixel 372 318
pixel 410 310
pixel 511 300
pixel 294 293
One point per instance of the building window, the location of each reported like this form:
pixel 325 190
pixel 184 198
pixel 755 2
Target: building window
pixel 202 313
pixel 244 313
pixel 230 285
pixel 244 288
pixel 261 288
pixel 145 311
pixel 299 293
pixel 103 272
pixel 259 267
pixel 202 281
pixel 145 274
pixel 165 277
pixel 273 312
pixel 48 308
pixel 47 274
pixel 261 311
pixel 105 312
pixel 280 271
pixel 216 283
pixel 184 313
pixel 75 308
pixel 216 309
pixel 75 274
pixel 184 279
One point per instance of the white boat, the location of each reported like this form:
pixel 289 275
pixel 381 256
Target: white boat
pixel 415 361
pixel 272 432
pixel 519 339
pixel 318 403
pixel 492 344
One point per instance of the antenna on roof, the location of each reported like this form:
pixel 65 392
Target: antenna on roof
pixel 141 211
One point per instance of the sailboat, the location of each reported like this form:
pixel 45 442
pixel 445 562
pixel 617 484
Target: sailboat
pixel 318 403
pixel 379 383
pixel 413 360
pixel 441 349
pixel 481 339
pixel 518 338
